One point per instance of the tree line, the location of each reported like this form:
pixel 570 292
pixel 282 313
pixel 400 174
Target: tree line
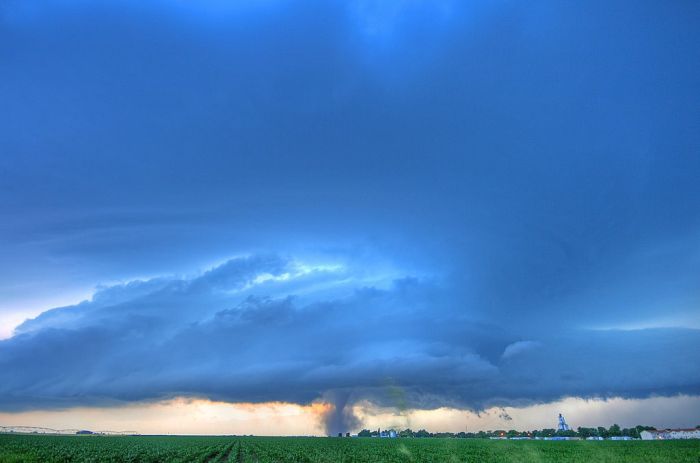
pixel 613 431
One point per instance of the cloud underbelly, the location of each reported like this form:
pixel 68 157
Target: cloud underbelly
pixel 229 335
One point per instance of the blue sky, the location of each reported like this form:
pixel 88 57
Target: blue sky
pixel 484 204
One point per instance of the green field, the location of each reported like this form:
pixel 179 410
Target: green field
pixel 49 448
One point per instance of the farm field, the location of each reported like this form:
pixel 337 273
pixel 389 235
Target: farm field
pixel 52 448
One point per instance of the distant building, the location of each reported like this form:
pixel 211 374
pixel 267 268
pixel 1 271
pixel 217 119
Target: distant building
pixel 562 426
pixel 391 434
pixel 670 434
pixel 621 438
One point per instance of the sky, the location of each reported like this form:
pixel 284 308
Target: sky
pixel 308 217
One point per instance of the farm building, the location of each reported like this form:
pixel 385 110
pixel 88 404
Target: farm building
pixel 671 434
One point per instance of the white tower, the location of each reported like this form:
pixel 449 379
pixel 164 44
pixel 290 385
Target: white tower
pixel 562 424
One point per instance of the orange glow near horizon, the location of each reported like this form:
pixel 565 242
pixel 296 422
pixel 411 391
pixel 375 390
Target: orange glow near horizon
pixel 206 417
pixel 183 415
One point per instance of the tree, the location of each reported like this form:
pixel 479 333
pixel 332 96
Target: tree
pixel 614 430
pixel 364 433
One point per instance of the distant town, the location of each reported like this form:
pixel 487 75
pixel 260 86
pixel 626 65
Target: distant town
pixel 562 432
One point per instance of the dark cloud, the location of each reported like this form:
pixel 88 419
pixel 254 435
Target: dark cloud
pixel 530 149
pixel 222 336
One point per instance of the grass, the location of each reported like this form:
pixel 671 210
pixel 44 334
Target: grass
pixel 214 449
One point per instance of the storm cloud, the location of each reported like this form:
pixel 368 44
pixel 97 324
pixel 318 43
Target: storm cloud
pixel 481 203
pixel 264 328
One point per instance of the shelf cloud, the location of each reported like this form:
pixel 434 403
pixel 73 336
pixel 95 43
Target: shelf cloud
pixel 240 333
